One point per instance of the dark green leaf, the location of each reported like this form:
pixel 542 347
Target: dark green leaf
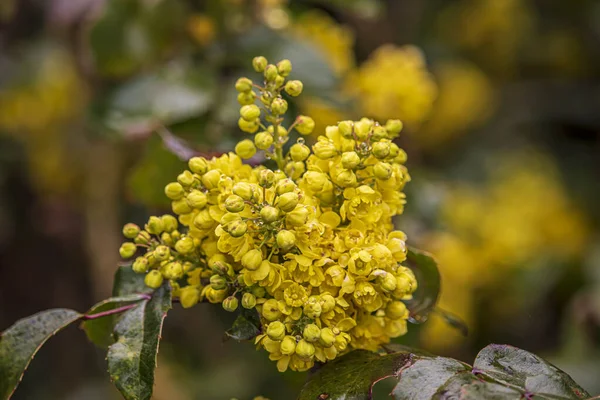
pixel 519 368
pixel 132 358
pixel 426 297
pixel 99 330
pixel 351 377
pixel 425 375
pixel 128 282
pixel 500 372
pixel 245 327
pixel 20 343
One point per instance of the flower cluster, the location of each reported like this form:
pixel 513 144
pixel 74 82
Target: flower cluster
pixel 309 245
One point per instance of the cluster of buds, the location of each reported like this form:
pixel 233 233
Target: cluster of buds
pixel 310 245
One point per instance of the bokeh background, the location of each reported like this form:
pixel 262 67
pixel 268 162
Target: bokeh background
pixel 101 100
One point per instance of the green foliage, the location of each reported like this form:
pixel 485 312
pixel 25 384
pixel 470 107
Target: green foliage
pixel 132 358
pixel 499 372
pixel 246 326
pixel 100 330
pixel 428 275
pixel 20 343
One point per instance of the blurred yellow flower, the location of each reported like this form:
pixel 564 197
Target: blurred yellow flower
pixel 394 81
pixel 523 215
pixel 465 101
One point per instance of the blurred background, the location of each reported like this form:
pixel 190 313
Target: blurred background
pixel 101 100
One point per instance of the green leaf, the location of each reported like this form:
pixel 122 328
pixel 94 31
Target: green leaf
pixel 99 330
pixel 20 343
pixel 245 327
pixel 132 358
pixel 352 376
pixel 128 282
pixel 500 372
pixel 175 93
pixel 518 368
pixel 428 275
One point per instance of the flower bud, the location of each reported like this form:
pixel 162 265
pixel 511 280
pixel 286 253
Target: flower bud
pixel 287 201
pixel 350 159
pixel 244 190
pixel 346 178
pixel 396 310
pixel 215 296
pixel 295 169
pixel 270 310
pixel 316 181
pixel 388 282
pixel 312 309
pixel 169 223
pixel 305 125
pixel 362 128
pixel 285 186
pixel 196 199
pixel 248 126
pixel 269 214
pixel 211 179
pixel 279 81
pixel 259 63
pixel 246 98
pixel 234 204
pixel 236 228
pixel 284 67
pixel 263 140
pixel 299 152
pixel 294 88
pixel 230 304
pixel 327 338
pixel 250 112
pixel 304 349
pixel 186 178
pixel 401 157
pixel 162 253
pixel 174 191
pixel 266 178
pixel 180 207
pixel 140 265
pixel 271 73
pixel 185 245
pixel 346 128
pixel 276 330
pixel 219 267
pixel 142 238
pixel 281 131
pixel 311 333
pixel 393 126
pixel 153 279
pixel 285 239
pixel 130 231
pixel 381 149
pixel 379 133
pixel 252 259
pixel 189 296
pixel 327 302
pixel 203 220
pixel 127 250
pixel 218 282
pixel 324 149
pixel 173 270
pixel 298 217
pixel 288 345
pixel 382 171
pixel 243 85
pixel 279 106
pixel 245 149
pixel 248 301
pixel 198 165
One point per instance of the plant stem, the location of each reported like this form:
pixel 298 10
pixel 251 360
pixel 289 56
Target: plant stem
pixel 109 312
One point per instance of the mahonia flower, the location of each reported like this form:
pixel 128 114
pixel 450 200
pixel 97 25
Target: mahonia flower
pixel 309 245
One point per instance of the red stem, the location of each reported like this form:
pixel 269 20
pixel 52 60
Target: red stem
pixel 109 312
